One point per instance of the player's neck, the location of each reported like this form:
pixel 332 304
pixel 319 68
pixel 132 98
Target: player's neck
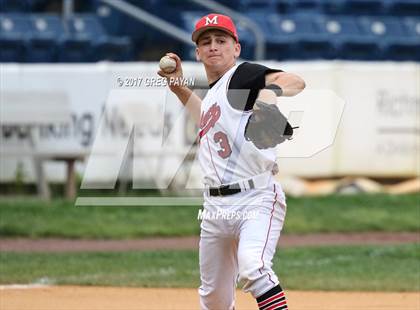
pixel 215 74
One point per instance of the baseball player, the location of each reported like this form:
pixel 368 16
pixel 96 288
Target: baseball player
pixel 239 127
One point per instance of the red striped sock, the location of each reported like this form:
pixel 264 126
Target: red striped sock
pixel 274 299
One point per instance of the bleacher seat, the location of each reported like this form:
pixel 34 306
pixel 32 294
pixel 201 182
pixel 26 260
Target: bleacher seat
pixel 7 6
pixel 189 19
pixel 257 6
pixel 114 49
pixel 119 24
pixel 20 6
pixel 412 25
pixel 297 36
pixel 247 40
pixel 293 29
pixel 14 29
pixel 168 7
pixel 280 41
pixel 354 7
pixel 395 39
pixel 312 41
pixel 333 7
pixel 44 38
pixel 282 6
pixel 363 7
pixel 87 41
pixel 110 18
pixel 300 6
pixel 233 4
pixel 75 50
pixel 348 38
pixel 403 7
pixel 46 32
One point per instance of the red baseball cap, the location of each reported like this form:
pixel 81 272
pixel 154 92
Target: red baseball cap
pixel 215 21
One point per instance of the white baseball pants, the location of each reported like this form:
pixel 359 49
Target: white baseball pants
pixel 237 243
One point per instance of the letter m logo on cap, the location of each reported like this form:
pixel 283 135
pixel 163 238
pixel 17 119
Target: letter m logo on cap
pixel 212 21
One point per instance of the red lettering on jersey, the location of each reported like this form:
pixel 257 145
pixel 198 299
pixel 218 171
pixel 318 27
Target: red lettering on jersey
pixel 209 119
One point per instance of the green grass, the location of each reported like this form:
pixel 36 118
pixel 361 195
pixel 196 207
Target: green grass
pixel 355 213
pixel 355 268
pixel 62 219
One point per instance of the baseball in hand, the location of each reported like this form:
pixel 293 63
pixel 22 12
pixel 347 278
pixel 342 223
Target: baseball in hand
pixel 167 64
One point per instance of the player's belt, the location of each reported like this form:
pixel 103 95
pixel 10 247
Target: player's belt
pixel 230 189
pixel 258 181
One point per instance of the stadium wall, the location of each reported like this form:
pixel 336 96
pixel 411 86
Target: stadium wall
pixel 377 134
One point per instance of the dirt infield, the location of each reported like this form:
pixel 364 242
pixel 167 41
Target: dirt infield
pixel 111 298
pixel 180 243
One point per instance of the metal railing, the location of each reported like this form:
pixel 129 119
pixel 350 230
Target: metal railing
pixel 150 20
pixel 176 32
pixel 68 9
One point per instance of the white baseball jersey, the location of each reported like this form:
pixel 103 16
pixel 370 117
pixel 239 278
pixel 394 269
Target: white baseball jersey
pixel 225 155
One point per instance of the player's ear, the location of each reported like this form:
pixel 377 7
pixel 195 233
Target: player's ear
pixel 237 50
pixel 197 54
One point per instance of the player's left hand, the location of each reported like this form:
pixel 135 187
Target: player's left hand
pixel 267 126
